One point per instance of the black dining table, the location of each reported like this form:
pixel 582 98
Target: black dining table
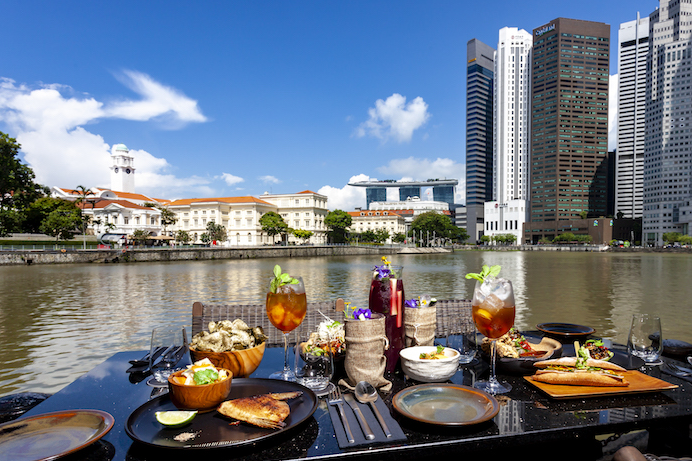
pixel 529 422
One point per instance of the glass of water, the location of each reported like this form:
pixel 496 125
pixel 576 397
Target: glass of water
pixel 645 339
pixel 461 335
pixel 314 361
pixel 168 346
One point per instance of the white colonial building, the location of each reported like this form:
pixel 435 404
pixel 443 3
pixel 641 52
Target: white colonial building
pixel 373 220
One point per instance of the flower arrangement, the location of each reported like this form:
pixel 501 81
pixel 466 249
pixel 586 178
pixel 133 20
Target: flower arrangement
pixel 357 313
pixel 421 301
pixel 384 271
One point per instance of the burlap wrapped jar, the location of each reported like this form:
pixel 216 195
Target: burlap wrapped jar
pixel 365 345
pixel 420 323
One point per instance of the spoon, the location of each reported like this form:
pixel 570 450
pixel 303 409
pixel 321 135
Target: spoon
pixel 366 393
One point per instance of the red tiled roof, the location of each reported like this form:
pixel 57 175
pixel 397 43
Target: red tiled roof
pixel 244 199
pixel 104 203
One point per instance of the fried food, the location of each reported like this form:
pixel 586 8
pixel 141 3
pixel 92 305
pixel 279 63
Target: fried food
pixel 227 336
pixel 580 372
pixel 266 410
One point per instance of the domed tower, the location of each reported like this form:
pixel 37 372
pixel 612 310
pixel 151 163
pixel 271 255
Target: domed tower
pixel 122 170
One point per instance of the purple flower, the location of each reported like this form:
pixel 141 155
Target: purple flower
pixel 411 303
pixel 382 271
pixel 362 314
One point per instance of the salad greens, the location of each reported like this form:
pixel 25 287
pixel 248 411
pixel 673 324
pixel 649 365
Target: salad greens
pixel 281 279
pixel 492 271
pixel 206 376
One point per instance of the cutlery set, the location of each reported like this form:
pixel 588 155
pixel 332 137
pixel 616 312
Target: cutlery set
pixel 336 399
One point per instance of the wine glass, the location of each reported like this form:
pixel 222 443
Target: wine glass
pixel 286 310
pixel 168 346
pixel 644 339
pixel 493 313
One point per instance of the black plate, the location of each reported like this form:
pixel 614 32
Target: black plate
pixel 211 429
pixel 565 330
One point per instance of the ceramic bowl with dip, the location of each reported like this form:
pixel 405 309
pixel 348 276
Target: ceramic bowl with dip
pixel 429 370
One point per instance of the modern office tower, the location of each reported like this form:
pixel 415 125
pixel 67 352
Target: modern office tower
pixel 408 192
pixel 506 213
pixel 375 194
pixel 569 123
pixel 479 133
pixel 633 47
pixel 667 143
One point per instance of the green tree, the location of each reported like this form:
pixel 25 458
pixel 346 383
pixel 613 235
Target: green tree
pixel 216 232
pixel 38 211
pixel 168 217
pixel 273 224
pixel 565 237
pixel 205 238
pixel 399 237
pixel 485 239
pixel 302 234
pixel 17 186
pixel 140 236
pixel 338 222
pixel 62 223
pixel 584 214
pixel 182 237
pixel 672 237
pixel 431 225
pixel 368 236
pixel 83 198
pixel 381 235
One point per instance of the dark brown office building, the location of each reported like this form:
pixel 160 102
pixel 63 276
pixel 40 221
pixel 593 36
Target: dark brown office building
pixel 569 124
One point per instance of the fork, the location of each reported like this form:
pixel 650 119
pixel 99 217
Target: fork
pixel 678 370
pixel 336 400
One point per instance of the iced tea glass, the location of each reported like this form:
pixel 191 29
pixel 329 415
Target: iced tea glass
pixel 493 313
pixel 286 310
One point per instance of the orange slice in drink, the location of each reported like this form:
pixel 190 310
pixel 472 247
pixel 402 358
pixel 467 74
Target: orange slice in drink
pixel 277 315
pixel 484 314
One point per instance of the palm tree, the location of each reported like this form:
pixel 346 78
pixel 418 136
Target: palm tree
pixel 83 194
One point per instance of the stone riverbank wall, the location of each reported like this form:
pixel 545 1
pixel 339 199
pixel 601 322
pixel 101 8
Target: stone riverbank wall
pixel 28 257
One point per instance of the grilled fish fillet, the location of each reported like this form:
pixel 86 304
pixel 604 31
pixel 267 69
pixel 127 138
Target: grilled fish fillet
pixel 266 410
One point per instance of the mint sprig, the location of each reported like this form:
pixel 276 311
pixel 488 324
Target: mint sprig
pixel 492 271
pixel 281 279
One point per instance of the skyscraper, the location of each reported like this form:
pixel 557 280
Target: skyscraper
pixel 479 133
pixel 569 123
pixel 506 213
pixel 667 143
pixel 633 47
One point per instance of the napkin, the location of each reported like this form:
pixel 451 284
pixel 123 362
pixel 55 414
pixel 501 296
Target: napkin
pixel 397 433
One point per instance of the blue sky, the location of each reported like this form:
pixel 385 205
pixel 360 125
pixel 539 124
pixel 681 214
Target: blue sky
pixel 236 98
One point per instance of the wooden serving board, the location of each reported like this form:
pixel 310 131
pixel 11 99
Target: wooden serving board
pixel 639 382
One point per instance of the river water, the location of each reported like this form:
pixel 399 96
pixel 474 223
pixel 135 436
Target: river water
pixel 59 321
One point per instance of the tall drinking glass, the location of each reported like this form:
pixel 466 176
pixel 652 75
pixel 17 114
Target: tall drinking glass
pixel 286 310
pixel 387 298
pixel 493 313
pixel 645 339
pixel 314 361
pixel 168 346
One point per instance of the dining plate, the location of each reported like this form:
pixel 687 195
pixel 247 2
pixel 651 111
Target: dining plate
pixel 638 383
pixel 446 404
pixel 212 430
pixel 565 330
pixel 51 435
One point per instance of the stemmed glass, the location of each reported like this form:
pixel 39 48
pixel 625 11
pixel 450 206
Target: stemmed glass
pixel 168 346
pixel 286 308
pixel 645 339
pixel 493 313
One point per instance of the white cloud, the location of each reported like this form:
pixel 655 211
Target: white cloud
pixel 348 197
pixel 269 179
pixel 394 118
pixel 48 121
pixel 231 179
pixel 613 112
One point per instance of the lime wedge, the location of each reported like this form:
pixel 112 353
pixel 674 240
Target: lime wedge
pixel 175 418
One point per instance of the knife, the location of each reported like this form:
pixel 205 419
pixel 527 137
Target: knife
pixel 359 414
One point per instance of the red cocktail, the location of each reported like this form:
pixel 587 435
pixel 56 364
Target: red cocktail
pixel 387 297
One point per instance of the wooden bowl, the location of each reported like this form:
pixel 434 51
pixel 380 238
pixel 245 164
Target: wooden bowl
pixel 241 363
pixel 202 398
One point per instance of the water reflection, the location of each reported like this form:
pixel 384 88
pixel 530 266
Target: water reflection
pixel 57 322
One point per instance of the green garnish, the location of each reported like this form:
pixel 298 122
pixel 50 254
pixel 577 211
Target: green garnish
pixel 207 376
pixel 281 279
pixel 492 271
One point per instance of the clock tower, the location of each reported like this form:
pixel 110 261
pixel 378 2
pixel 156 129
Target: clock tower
pixel 122 170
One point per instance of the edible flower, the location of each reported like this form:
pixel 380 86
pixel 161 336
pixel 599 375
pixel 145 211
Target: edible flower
pixel 384 270
pixel 362 314
pixel 421 301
